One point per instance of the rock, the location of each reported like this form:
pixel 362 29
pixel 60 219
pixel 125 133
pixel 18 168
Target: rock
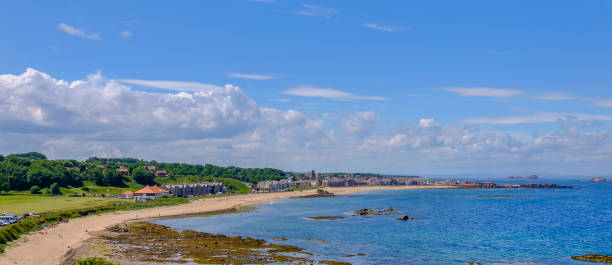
pixel 279 239
pixel 326 217
pixel 404 217
pixel 594 258
pixel 598 179
pixel 378 211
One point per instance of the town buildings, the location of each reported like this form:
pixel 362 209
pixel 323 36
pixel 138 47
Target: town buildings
pixel 195 189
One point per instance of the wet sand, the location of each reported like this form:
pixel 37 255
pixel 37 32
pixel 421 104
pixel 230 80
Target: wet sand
pixel 51 247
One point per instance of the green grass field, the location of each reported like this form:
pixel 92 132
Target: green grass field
pixel 20 204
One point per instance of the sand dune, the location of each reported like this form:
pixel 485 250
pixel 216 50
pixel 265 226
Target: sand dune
pixel 51 247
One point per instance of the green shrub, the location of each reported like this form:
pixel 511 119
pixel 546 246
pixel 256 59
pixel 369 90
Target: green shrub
pixel 54 189
pixel 94 261
pixel 35 190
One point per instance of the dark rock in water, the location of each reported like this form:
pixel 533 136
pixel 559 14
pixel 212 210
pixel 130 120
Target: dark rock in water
pixel 320 193
pixel 405 217
pixel 326 217
pixel 598 179
pixel 379 211
pixel 594 258
pixel 474 263
pixel 362 212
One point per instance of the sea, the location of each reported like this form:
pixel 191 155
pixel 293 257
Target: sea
pixel 525 226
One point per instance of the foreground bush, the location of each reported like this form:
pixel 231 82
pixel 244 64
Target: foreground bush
pixel 94 261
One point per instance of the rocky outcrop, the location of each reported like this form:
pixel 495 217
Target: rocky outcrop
pixel 326 217
pixel 594 258
pixel 320 193
pixel 404 217
pixel 379 211
pixel 598 179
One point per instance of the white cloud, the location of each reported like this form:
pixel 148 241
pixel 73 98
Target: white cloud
pixel 383 27
pixel 426 123
pixel 319 11
pixel 536 118
pixel 360 124
pixel 315 92
pixel 173 85
pixel 126 34
pixel 483 92
pixel 78 32
pixel 604 103
pixel 222 125
pixel 557 96
pixel 250 76
pixel 38 103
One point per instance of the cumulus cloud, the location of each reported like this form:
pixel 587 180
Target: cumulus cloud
pixel 483 92
pixel 319 11
pixel 200 123
pixel 78 32
pixel 426 123
pixel 383 27
pixel 360 123
pixel 126 34
pixel 250 76
pixel 316 92
pixel 37 102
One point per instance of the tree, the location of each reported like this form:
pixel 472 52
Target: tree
pixel 97 177
pixel 54 189
pixel 35 190
pixel 112 177
pixel 32 155
pixel 143 177
pixel 4 184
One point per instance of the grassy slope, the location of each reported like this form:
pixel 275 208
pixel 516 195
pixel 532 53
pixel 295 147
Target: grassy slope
pixel 20 204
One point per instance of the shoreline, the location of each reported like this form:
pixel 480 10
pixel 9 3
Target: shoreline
pixel 52 247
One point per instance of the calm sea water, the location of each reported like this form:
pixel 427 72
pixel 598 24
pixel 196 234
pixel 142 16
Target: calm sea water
pixel 536 226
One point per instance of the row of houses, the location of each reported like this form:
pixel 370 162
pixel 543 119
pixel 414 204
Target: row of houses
pixel 195 189
pixel 331 181
pixel 179 190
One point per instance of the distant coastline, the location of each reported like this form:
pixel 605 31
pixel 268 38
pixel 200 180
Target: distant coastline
pixel 524 177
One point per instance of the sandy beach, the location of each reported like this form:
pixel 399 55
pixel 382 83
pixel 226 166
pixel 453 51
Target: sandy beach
pixel 51 247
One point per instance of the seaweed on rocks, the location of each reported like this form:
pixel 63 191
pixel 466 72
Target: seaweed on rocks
pixel 147 242
pixel 594 258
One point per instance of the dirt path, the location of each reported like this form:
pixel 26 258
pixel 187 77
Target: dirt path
pixel 50 245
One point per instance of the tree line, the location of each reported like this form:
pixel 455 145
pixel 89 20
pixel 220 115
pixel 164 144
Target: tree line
pixel 33 170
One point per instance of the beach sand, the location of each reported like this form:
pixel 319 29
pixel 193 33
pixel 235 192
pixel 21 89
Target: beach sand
pixel 51 247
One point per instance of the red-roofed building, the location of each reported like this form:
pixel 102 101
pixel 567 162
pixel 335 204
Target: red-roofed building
pixel 150 192
pixel 128 194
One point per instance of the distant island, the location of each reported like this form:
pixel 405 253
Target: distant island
pixel 598 179
pixel 525 177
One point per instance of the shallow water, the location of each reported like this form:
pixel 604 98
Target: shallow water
pixel 534 226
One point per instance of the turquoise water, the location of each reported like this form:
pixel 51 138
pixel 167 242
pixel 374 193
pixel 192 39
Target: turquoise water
pixel 536 226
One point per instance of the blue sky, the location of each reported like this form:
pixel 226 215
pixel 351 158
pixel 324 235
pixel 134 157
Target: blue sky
pixel 426 87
